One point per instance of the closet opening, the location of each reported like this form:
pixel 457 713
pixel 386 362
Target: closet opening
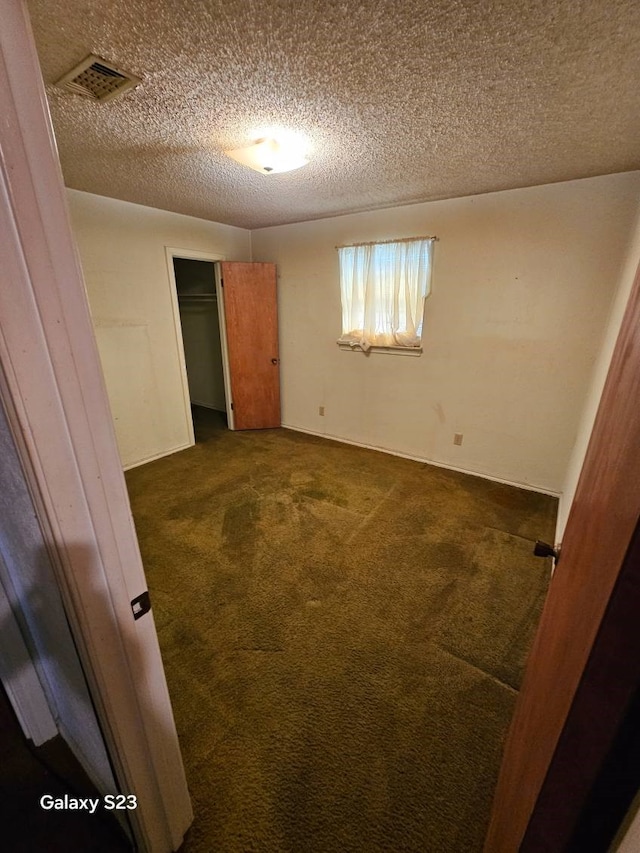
pixel 195 285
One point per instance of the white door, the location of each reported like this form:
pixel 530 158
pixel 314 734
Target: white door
pixel 52 387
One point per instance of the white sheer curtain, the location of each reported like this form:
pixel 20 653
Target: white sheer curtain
pixel 383 288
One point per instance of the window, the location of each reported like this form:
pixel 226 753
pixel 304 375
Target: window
pixel 383 288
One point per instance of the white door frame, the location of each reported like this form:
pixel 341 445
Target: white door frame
pixel 193 255
pixel 53 390
pixel 224 346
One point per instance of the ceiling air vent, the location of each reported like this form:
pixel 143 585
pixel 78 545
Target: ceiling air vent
pixel 95 78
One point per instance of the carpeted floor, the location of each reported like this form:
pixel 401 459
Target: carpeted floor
pixel 343 633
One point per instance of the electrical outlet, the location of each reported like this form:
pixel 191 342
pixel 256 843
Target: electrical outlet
pixel 321 410
pixel 457 438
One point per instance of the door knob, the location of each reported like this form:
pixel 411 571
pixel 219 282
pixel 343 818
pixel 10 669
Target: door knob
pixel 275 360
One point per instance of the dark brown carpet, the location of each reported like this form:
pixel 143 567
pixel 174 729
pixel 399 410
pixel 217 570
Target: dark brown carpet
pixel 343 633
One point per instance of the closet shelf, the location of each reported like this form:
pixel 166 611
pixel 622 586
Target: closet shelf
pixel 198 297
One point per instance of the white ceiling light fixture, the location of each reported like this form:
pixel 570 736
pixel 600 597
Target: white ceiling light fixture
pixel 271 156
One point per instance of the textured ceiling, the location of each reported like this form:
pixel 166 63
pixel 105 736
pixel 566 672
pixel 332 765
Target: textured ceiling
pixel 401 101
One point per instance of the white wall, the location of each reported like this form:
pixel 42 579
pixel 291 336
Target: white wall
pixel 203 353
pixel 598 378
pixel 523 283
pixel 122 249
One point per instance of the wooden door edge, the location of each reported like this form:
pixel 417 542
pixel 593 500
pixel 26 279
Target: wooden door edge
pixel 601 483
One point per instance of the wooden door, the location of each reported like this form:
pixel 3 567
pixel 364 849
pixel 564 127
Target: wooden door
pixel 251 332
pixel 577 683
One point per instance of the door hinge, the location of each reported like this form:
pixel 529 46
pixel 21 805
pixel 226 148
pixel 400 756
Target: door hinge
pixel 232 407
pixel 221 282
pixel 141 605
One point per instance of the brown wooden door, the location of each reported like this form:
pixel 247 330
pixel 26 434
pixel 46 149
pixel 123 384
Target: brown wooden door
pixel 251 323
pixel 576 686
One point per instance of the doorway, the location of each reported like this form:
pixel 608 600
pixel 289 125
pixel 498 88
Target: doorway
pixel 200 324
pixel 226 328
pixel 197 319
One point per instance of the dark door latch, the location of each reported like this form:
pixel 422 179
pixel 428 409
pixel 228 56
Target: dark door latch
pixel 543 549
pixel 141 605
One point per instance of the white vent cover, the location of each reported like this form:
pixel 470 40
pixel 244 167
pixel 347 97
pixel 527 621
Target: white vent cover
pixel 95 78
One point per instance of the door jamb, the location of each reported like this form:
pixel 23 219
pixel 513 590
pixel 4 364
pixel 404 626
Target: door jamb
pixel 52 385
pixel 224 346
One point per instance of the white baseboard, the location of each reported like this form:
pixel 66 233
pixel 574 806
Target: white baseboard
pixel 157 456
pixel 527 486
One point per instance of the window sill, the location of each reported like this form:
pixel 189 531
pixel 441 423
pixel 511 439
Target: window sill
pixel 410 351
